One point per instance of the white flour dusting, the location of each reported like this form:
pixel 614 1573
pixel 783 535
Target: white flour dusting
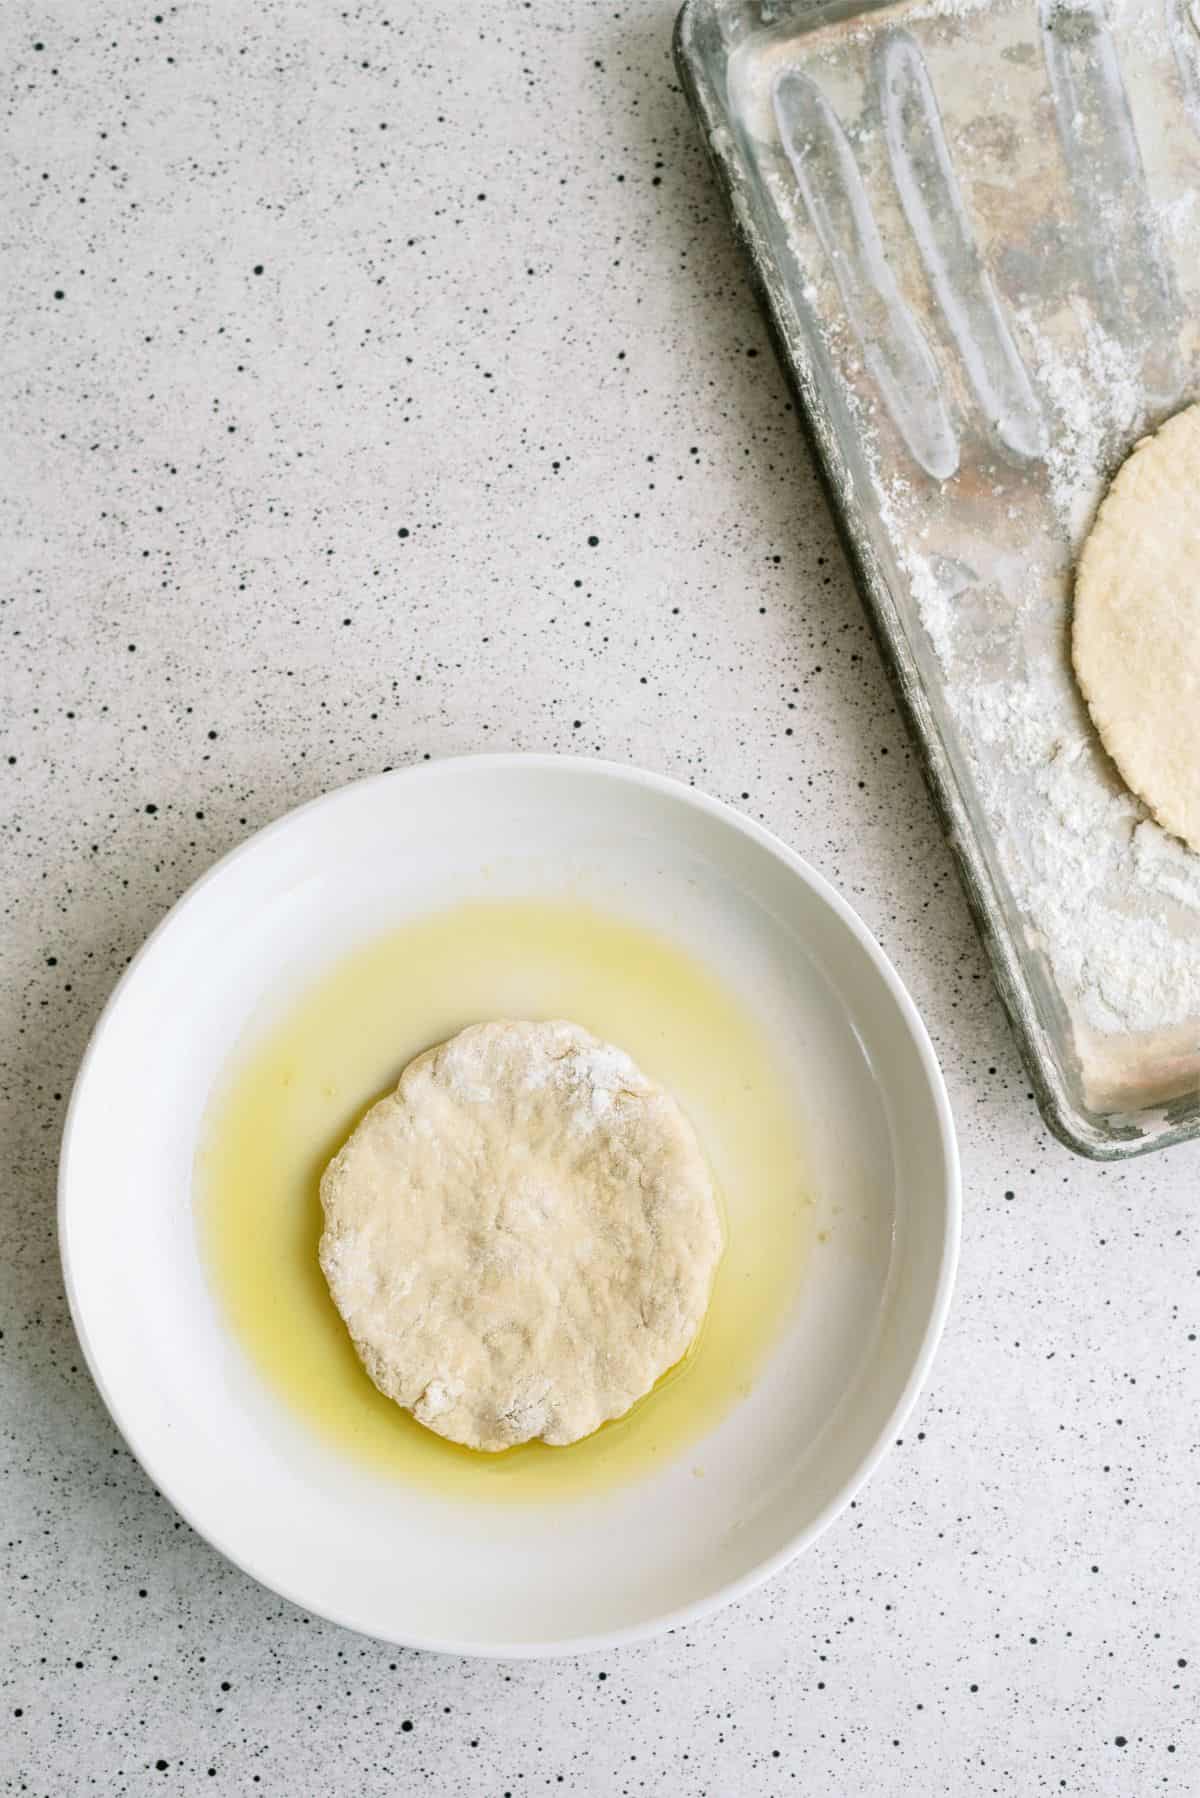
pixel 1110 900
pixel 1102 883
pixel 589 1074
pixel 1086 861
pixel 1178 220
pixel 1096 877
pixel 1096 394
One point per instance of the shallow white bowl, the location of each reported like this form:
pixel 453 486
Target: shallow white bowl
pixel 843 1373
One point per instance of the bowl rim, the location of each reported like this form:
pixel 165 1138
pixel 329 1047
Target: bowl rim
pixel 667 785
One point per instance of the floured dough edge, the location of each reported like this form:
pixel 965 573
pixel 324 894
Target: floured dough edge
pixel 1145 733
pixel 539 1412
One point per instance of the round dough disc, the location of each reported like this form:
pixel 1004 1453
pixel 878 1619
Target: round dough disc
pixel 522 1237
pixel 1136 632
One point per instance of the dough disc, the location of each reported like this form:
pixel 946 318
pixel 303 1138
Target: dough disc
pixel 1136 632
pixel 522 1237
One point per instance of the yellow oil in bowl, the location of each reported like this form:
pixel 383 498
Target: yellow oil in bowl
pixel 296 1091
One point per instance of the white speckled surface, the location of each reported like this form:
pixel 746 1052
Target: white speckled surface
pixel 492 453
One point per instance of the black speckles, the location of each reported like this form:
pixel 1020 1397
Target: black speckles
pixel 162 1765
pixel 356 402
pixel 406 1726
pixel 258 268
pixel 151 809
pixel 1121 1741
pixel 593 542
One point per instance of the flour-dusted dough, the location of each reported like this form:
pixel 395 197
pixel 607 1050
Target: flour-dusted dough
pixel 522 1237
pixel 1136 635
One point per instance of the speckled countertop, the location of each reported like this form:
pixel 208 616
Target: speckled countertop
pixel 382 382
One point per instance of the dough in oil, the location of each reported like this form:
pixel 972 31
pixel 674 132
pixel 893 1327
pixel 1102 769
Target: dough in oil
pixel 522 1237
pixel 1136 631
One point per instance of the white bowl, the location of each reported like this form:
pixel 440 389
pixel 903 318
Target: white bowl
pixel 846 1366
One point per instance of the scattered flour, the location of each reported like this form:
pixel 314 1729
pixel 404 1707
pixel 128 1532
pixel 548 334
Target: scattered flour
pixel 1111 900
pixel 1111 895
pixel 1177 221
pixel 1087 864
pixel 1096 393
